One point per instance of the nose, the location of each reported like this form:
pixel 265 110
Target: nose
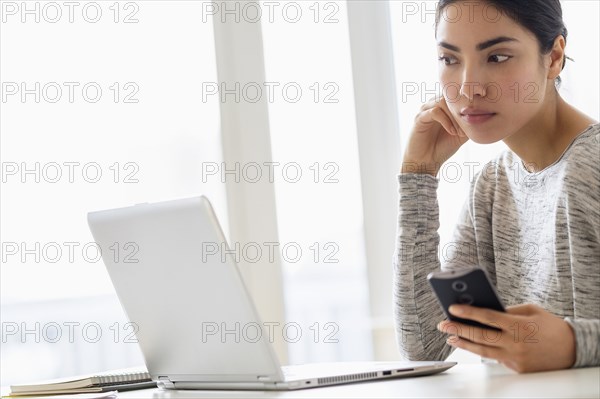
pixel 471 85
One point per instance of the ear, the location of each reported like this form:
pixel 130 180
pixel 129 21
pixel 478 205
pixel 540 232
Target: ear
pixel 554 60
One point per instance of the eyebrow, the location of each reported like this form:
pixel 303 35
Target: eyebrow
pixel 481 46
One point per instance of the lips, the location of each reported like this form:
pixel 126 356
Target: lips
pixel 475 111
pixel 475 115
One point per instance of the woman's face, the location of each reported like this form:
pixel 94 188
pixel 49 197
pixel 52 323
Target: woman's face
pixel 490 71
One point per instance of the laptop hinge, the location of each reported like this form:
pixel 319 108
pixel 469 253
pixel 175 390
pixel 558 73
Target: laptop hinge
pixel 165 382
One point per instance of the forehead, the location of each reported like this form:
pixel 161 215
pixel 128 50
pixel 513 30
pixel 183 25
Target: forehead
pixel 465 23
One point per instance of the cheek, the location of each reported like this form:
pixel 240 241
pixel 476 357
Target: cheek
pixel 449 82
pixel 528 92
pixel 519 87
pixel 518 96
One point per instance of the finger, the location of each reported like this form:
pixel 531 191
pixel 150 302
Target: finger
pixel 461 132
pixel 489 352
pixel 453 328
pixel 479 335
pixel 440 101
pixel 484 315
pixel 437 115
pixel 431 103
pixel 444 105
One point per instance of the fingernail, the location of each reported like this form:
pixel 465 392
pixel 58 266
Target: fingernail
pixel 455 309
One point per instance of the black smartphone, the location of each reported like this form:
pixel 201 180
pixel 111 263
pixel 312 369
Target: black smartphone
pixel 469 287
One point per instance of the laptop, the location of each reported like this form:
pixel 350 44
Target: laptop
pixel 180 300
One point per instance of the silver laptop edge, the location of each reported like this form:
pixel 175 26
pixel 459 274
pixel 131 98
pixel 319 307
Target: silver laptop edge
pixel 177 296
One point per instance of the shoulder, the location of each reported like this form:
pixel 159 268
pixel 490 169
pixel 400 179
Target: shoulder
pixel 582 159
pixel 580 169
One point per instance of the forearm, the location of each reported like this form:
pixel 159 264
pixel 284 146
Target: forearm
pixel 416 309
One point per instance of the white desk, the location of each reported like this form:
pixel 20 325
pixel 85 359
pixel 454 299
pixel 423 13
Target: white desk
pixel 461 381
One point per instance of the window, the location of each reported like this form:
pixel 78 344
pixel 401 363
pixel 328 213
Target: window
pixel 318 193
pixel 112 109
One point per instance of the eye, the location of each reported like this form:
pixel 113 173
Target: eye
pixel 447 60
pixel 498 58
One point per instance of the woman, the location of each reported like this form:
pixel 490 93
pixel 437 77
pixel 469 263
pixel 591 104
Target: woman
pixel 532 218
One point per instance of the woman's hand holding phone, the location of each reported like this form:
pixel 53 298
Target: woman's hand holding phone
pixel 524 338
pixel 435 137
pixel 530 338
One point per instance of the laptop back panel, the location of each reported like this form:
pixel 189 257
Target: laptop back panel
pixel 194 318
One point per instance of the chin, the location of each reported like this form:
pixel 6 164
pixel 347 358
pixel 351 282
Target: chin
pixel 481 137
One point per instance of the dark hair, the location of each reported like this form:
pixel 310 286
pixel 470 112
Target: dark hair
pixel 543 18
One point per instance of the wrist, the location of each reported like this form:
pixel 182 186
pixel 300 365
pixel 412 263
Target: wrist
pixel 430 168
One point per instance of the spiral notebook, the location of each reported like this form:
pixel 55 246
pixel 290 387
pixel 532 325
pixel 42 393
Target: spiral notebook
pixel 120 381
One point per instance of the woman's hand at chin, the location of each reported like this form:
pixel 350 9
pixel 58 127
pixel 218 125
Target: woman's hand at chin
pixel 434 138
